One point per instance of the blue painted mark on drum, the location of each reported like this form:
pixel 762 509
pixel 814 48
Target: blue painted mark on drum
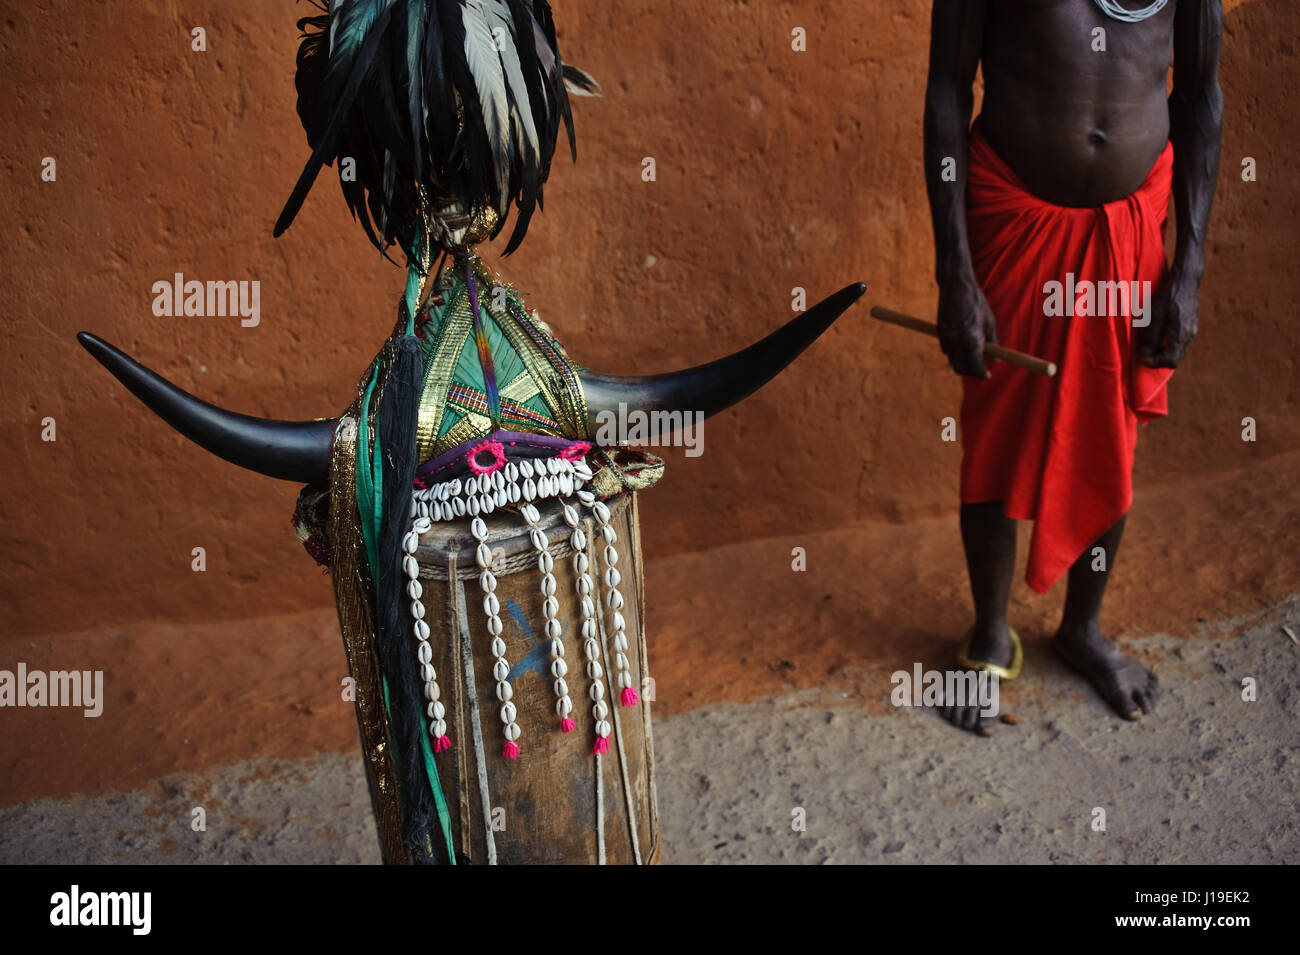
pixel 539 657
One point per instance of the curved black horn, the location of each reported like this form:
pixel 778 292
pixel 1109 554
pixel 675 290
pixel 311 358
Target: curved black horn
pixel 719 384
pixel 289 450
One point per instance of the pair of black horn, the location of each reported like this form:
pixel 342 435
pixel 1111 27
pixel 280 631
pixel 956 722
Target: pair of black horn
pixel 300 450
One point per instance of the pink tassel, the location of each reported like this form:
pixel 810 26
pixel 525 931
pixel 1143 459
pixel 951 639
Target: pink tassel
pixel 629 696
pixel 567 724
pixel 510 750
pixel 441 743
pixel 602 745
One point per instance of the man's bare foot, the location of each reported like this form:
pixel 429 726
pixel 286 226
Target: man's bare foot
pixel 1129 687
pixel 993 645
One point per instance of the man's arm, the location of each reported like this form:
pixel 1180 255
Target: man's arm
pixel 956 38
pixel 1196 130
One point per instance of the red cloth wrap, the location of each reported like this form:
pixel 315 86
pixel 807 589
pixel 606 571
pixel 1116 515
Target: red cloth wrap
pixel 1059 451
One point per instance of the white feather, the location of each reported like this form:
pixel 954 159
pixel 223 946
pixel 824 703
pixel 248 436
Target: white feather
pixel 521 112
pixel 489 80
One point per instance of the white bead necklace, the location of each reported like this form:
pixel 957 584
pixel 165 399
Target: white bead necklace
pixel 1113 10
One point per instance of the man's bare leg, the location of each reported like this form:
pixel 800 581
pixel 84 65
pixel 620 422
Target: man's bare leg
pixel 1124 683
pixel 989 537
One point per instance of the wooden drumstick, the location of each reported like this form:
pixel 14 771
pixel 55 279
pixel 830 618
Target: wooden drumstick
pixel 1010 356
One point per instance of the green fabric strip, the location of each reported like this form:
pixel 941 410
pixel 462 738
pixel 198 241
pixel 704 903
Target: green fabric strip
pixel 444 817
pixel 368 490
pixel 411 298
pixel 411 301
pixel 439 800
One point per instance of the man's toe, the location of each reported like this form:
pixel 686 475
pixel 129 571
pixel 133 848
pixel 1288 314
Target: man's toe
pixel 1132 708
pixel 1125 701
pixel 1140 698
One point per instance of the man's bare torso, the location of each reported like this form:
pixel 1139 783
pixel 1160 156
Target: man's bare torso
pixel 1079 127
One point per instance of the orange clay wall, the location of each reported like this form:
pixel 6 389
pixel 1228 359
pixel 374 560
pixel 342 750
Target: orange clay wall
pixel 774 169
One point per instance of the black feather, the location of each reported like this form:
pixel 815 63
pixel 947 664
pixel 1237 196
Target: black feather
pixel 324 149
pixel 398 97
pixel 439 110
pixel 413 74
pixel 543 11
pixel 580 81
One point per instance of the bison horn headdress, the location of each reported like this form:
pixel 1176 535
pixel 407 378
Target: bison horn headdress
pixel 440 116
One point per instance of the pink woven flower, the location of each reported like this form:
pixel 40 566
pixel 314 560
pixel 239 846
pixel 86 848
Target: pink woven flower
pixel 576 452
pixel 488 447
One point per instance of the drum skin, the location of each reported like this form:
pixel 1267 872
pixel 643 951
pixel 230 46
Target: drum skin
pixel 558 802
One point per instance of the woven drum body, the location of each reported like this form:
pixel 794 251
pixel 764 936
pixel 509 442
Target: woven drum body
pixel 557 802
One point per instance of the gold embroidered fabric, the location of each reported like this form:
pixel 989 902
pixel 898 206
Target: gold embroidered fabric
pixel 356 621
pixel 560 390
pixel 457 327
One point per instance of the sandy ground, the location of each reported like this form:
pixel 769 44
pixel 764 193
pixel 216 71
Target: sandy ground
pixel 1209 778
pixel 728 624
